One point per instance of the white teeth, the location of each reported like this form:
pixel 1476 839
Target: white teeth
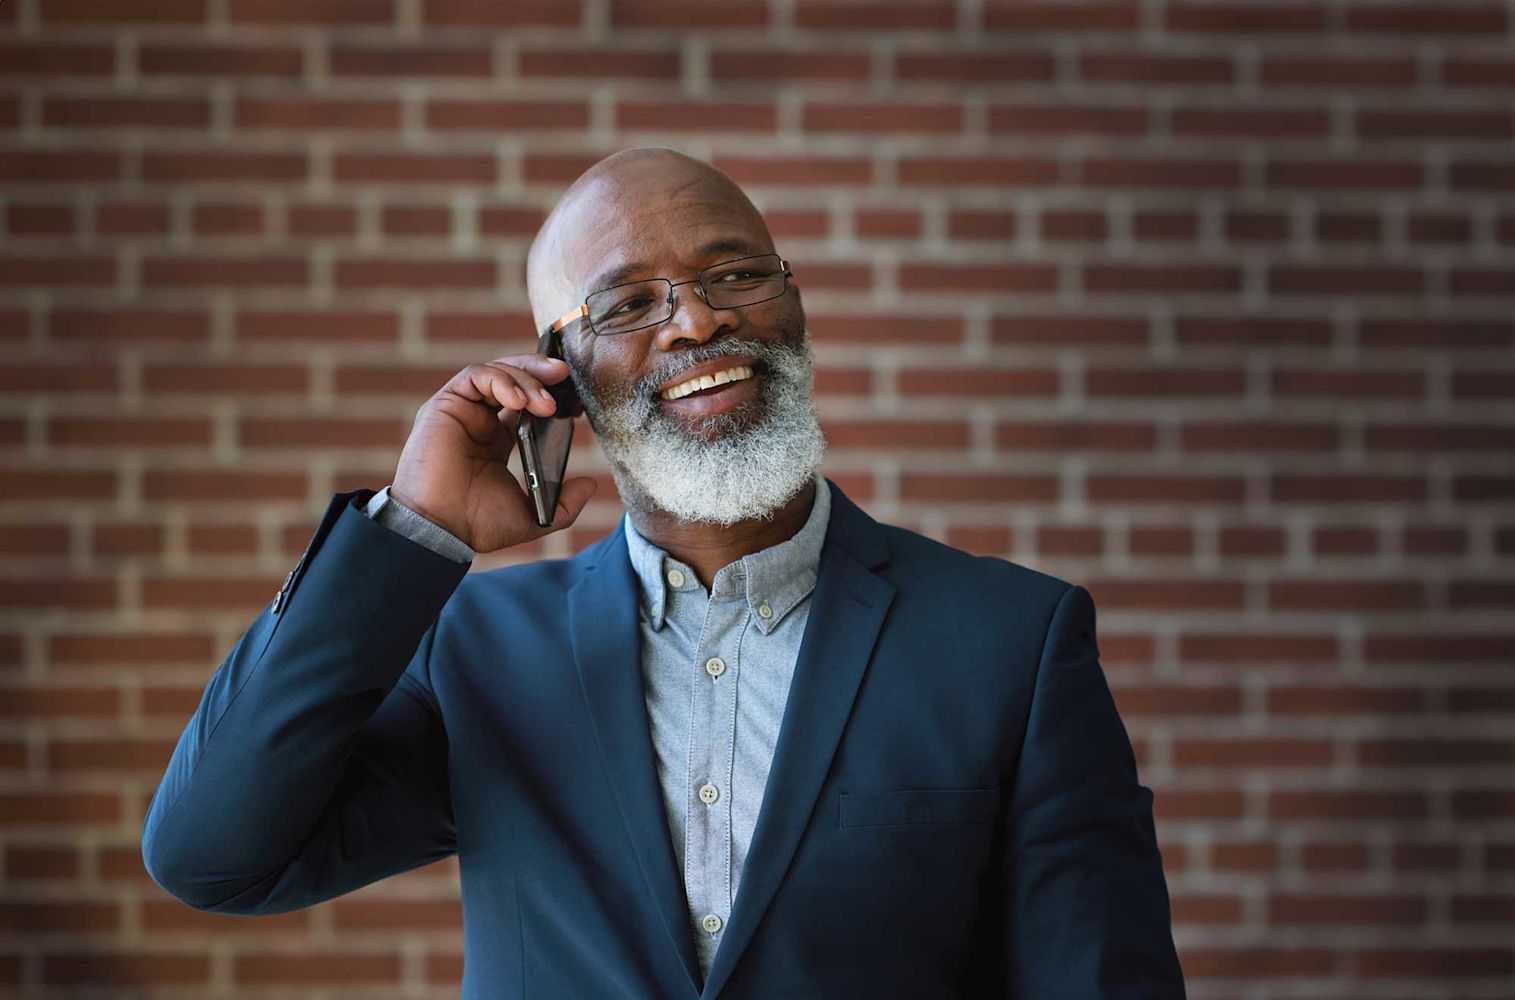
pixel 707 382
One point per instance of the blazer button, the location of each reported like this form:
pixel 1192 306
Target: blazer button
pixel 283 590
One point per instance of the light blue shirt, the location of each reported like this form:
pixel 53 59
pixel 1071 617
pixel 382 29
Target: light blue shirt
pixel 716 668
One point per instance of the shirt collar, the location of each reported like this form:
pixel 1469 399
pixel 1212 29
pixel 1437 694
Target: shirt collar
pixel 778 577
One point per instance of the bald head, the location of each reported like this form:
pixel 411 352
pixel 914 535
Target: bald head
pixel 645 204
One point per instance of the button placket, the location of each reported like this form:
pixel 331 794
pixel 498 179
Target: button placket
pixel 708 830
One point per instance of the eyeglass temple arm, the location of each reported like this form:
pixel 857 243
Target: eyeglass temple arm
pixel 567 318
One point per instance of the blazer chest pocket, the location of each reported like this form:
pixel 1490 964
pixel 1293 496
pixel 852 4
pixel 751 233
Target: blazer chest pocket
pixel 910 807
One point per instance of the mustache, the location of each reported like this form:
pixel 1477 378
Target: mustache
pixel 766 352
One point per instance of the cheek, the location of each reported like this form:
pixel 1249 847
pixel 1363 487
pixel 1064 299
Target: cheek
pixel 607 365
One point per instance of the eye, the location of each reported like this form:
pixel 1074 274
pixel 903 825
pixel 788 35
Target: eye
pixel 738 274
pixel 634 303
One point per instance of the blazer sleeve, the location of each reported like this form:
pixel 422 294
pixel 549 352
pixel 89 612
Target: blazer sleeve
pixel 1088 913
pixel 316 761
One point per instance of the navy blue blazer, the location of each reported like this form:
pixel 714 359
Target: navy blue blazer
pixel 953 808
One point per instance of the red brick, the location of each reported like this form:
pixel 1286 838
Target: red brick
pixel 1067 120
pixel 57 271
pixel 1437 964
pixel 396 59
pixel 1345 279
pixel 311 12
pixel 1346 175
pixel 116 431
pixel 125 112
pixel 1317 909
pixel 1073 225
pixel 877 15
pixel 592 62
pixel 984 488
pixel 228 220
pixel 516 14
pixel 686 14
pixel 759 171
pixel 333 968
pixel 45 704
pixel 414 168
pixel 1253 754
pixel 148 12
pixel 700 116
pixel 1088 331
pixel 207 165
pixel 1210 962
pixel 987 171
pixel 312 113
pixel 456 115
pixel 131 326
pixel 28 58
pixel 123 218
pixel 72 809
pixel 1291 69
pixel 111 968
pixel 228 272
pixel 964 67
pixel 889 118
pixel 1289 123
pixel 1016 277
pixel 477 273
pixel 165 485
pixel 1023 16
pixel 40 220
pixel 1153 592
pixel 1187 174
pixel 208 59
pixel 1145 67
pixel 1061 436
pixel 322 220
pixel 1480 18
pixel 1347 805
pixel 49 167
pixel 1441 123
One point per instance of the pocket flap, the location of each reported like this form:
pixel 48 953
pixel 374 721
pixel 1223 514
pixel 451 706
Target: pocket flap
pixel 924 805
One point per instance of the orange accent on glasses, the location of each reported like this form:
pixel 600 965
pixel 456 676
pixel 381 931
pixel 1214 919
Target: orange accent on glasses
pixel 567 318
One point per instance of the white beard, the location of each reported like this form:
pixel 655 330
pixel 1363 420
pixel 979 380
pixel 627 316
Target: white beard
pixel 738 473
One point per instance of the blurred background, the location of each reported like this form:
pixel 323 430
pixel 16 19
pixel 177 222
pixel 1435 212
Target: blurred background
pixel 1206 306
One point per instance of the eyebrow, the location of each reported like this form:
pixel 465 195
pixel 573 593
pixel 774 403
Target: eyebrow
pixel 726 244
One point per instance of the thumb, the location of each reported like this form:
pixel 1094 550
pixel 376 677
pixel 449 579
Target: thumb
pixel 574 496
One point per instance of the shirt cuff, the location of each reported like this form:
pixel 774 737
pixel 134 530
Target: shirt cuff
pixel 397 517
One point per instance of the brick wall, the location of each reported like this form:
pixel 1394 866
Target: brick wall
pixel 1206 306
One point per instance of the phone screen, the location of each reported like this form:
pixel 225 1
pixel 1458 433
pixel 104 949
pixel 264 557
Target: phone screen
pixel 545 441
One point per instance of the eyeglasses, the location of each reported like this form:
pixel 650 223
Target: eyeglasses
pixel 636 305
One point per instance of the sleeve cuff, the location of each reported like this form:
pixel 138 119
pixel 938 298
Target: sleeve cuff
pixel 397 517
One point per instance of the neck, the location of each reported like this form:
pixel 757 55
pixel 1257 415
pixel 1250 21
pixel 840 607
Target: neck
pixel 709 548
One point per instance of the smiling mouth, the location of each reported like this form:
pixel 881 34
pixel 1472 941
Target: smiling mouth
pixel 708 384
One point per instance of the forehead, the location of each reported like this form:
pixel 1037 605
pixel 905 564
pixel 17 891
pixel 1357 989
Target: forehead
pixel 622 232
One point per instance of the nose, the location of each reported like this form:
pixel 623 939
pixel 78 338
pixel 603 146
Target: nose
pixel 694 321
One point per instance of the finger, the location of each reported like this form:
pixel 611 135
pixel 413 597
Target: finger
pixel 534 393
pixel 540 366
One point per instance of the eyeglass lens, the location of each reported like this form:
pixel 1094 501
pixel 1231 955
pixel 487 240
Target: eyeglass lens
pixel 727 285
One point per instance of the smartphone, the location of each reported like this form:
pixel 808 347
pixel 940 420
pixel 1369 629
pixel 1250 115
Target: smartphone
pixel 544 441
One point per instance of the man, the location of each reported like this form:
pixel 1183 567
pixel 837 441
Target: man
pixel 752 743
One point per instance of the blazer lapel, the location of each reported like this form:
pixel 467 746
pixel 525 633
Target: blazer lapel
pixel 847 611
pixel 602 621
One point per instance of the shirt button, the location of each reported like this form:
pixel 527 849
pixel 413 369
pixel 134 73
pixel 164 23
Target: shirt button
pixel 715 666
pixel 709 793
pixel 711 922
pixel 764 611
pixel 676 577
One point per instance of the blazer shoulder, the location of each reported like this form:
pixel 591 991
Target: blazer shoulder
pixel 916 555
